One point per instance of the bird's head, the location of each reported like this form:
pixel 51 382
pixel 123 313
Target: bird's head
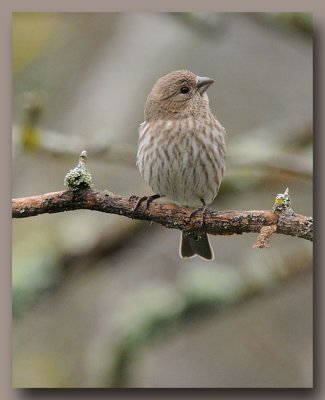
pixel 178 94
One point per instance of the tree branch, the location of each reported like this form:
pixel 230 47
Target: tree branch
pixel 81 196
pixel 171 216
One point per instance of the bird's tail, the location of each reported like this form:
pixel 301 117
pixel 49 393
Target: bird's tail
pixel 199 244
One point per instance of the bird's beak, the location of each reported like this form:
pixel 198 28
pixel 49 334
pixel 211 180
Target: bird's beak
pixel 203 83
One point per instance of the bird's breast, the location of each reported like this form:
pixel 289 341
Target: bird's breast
pixel 181 159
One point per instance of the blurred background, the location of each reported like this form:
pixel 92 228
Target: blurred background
pixel 103 301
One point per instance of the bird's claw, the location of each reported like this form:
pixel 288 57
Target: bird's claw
pixel 203 209
pixel 147 199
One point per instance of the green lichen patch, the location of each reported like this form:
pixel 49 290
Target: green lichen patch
pixel 282 201
pixel 78 177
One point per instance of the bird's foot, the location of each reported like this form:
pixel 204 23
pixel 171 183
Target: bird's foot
pixel 147 199
pixel 203 210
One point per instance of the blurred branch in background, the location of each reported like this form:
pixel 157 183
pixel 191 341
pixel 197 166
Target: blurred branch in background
pixel 165 309
pixel 48 268
pixel 29 137
pixel 258 161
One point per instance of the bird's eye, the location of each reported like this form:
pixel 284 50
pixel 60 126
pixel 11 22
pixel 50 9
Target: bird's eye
pixel 184 90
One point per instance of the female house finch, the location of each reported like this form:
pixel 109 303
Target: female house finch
pixel 181 153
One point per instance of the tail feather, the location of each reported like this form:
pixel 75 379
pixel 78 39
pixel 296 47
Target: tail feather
pixel 196 245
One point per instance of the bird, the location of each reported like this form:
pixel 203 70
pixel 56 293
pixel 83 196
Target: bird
pixel 181 150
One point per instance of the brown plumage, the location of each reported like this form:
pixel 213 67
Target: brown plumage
pixel 181 153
